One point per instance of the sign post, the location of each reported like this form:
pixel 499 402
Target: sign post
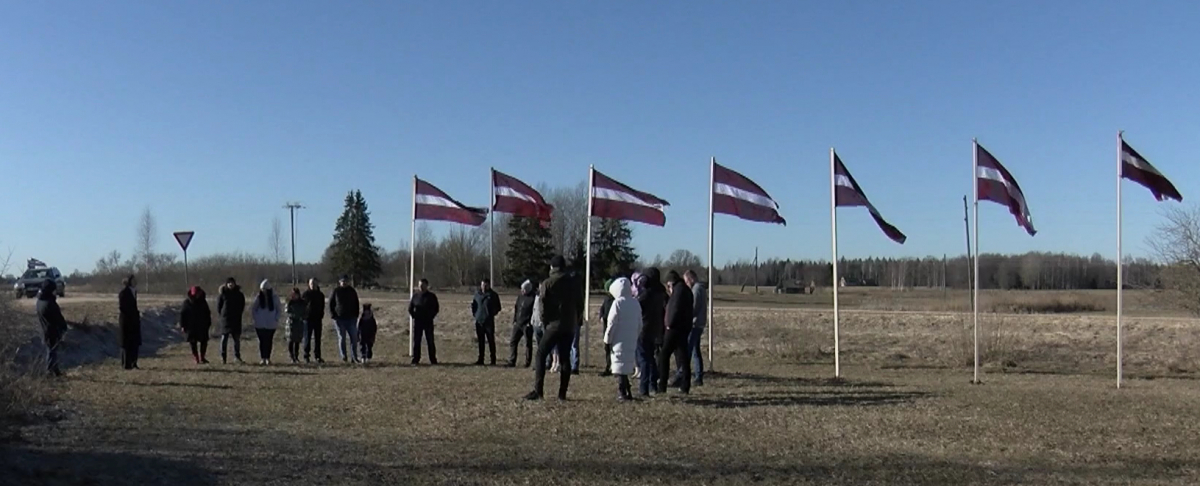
pixel 184 238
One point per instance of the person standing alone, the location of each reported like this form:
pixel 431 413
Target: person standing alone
pixel 562 302
pixel 675 341
pixel 343 308
pixel 230 306
pixel 314 303
pixel 131 323
pixel 54 325
pixel 423 308
pixel 265 313
pixel 195 317
pixel 522 325
pixel 485 307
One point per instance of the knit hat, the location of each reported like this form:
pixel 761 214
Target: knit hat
pixel 265 285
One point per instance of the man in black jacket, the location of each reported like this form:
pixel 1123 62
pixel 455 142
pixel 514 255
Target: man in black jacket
pixel 314 305
pixel 484 307
pixel 131 323
pixel 653 299
pixel 562 302
pixel 343 308
pixel 675 342
pixel 423 308
pixel 54 325
pixel 230 306
pixel 522 325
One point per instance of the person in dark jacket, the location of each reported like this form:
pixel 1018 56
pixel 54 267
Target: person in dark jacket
pixel 195 317
pixel 343 308
pixel 423 309
pixel 522 325
pixel 230 306
pixel 680 309
pixel 131 323
pixel 484 308
pixel 367 328
pixel 314 302
pixel 605 306
pixel 54 325
pixel 653 299
pixel 562 302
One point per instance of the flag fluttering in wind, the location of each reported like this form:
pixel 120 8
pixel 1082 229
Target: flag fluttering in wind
pixel 515 197
pixel 1137 169
pixel 613 200
pixel 432 204
pixel 847 193
pixel 998 185
pixel 736 195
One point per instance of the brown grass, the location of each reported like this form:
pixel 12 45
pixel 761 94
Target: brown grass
pixel 904 415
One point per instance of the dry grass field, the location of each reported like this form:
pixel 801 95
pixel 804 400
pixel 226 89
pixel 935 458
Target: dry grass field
pixel 904 414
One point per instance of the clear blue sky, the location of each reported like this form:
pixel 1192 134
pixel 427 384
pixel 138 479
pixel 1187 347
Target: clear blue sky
pixel 217 112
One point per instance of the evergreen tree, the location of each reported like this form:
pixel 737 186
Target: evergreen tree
pixel 530 248
pixel 612 247
pixel 353 251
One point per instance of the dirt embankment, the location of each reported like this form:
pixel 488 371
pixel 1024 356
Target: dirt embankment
pixel 90 342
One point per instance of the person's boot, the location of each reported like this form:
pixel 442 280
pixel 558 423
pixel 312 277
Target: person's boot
pixel 533 396
pixel 196 357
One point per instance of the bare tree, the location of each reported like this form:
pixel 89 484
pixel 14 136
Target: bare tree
pixel 1176 243
pixel 463 249
pixel 569 225
pixel 275 240
pixel 147 239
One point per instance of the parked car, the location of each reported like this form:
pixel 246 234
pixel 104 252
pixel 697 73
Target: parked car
pixel 31 282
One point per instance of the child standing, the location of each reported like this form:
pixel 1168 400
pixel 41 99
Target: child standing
pixel 366 333
pixel 296 312
pixel 621 336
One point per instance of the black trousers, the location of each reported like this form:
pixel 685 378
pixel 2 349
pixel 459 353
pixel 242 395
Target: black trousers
pixel 486 332
pixel 312 338
pixel 521 331
pixel 129 357
pixel 199 349
pixel 266 341
pixel 675 343
pixel 560 336
pixel 423 329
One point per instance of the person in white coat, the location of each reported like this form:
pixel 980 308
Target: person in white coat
pixel 621 335
pixel 265 313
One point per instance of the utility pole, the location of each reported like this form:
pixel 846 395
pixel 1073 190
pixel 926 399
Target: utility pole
pixel 292 207
pixel 756 270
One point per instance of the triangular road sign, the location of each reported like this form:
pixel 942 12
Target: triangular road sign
pixel 184 238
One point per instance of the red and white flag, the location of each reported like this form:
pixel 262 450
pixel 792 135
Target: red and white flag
pixel 1137 169
pixel 847 193
pixel 996 184
pixel 434 205
pixel 736 195
pixel 614 200
pixel 517 198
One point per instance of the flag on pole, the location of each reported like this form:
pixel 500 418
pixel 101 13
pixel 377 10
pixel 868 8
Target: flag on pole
pixel 517 198
pixel 996 184
pixel 1137 169
pixel 847 193
pixel 432 204
pixel 736 195
pixel 613 200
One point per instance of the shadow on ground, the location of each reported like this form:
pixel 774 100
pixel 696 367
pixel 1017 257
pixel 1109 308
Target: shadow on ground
pixel 29 466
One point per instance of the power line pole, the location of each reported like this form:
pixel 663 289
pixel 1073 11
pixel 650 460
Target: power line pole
pixel 292 207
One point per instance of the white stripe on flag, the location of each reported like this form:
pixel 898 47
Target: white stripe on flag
pixel 436 201
pixel 513 193
pixel 750 197
pixel 1128 158
pixel 843 181
pixel 990 173
pixel 613 195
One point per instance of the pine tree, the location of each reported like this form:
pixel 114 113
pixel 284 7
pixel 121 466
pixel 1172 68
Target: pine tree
pixel 353 251
pixel 530 248
pixel 612 247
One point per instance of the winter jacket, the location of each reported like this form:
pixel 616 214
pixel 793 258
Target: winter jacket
pixel 523 310
pixel 195 318
pixel 653 300
pixel 624 326
pixel 265 310
pixel 367 328
pixel 535 320
pixel 485 306
pixel 314 300
pixel 343 303
pixel 562 300
pixel 680 309
pixel 606 305
pixel 130 318
pixel 699 305
pixel 50 316
pixel 296 317
pixel 230 306
pixel 423 307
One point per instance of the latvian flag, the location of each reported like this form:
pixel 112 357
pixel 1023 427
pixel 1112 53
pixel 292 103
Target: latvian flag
pixel 1137 169
pixel 847 193
pixel 434 205
pixel 735 195
pixel 614 200
pixel 996 184
pixel 517 198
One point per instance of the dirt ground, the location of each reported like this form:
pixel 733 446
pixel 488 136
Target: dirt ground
pixel 905 412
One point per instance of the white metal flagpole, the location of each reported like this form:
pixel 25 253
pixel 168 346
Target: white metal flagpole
pixel 975 221
pixel 1120 262
pixel 492 228
pixel 837 363
pixel 712 168
pixel 587 271
pixel 412 265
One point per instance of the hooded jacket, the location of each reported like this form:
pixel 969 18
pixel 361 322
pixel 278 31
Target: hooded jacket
pixel 49 314
pixel 343 303
pixel 653 300
pixel 424 307
pixel 561 299
pixel 195 317
pixel 624 326
pixel 523 310
pixel 485 306
pixel 265 309
pixel 680 308
pixel 230 306
pixel 606 305
pixel 130 318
